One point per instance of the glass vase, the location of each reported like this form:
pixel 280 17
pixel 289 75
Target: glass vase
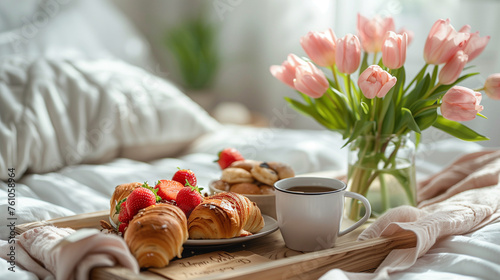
pixel 381 168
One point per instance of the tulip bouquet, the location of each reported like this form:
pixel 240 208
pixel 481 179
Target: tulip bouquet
pixel 377 111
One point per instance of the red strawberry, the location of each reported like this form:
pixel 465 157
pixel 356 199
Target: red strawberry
pixel 122 227
pixel 124 217
pixel 168 189
pixel 188 198
pixel 140 198
pixel 185 174
pixel 228 156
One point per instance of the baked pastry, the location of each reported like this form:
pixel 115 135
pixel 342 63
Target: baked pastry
pixel 121 191
pixel 246 164
pixel 265 189
pixel 225 215
pixel 156 234
pixel 263 173
pixel 234 175
pixel 282 169
pixel 245 188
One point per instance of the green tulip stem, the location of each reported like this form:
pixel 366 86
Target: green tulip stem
pixel 374 108
pixel 374 58
pixel 349 93
pixel 428 93
pixel 334 73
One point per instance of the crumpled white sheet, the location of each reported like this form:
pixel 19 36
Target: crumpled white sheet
pixel 67 254
pixel 472 256
pixel 60 112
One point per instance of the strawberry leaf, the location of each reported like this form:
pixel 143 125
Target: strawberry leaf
pixel 119 205
pixel 155 191
pixel 194 188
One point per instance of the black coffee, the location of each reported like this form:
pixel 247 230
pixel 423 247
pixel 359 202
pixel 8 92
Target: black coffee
pixel 311 189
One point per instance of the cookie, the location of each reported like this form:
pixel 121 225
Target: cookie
pixel 234 175
pixel 246 164
pixel 282 169
pixel 265 189
pixel 245 188
pixel 263 173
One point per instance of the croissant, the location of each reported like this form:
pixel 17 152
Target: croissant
pixel 156 234
pixel 225 215
pixel 121 191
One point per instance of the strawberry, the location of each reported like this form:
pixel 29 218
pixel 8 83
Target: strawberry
pixel 122 227
pixel 183 175
pixel 228 156
pixel 140 198
pixel 168 189
pixel 124 217
pixel 188 198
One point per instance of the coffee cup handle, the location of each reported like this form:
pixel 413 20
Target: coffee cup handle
pixel 365 217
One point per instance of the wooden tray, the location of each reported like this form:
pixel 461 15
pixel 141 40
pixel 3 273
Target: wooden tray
pixel 348 254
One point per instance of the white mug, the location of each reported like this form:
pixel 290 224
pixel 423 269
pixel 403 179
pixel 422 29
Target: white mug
pixel 310 221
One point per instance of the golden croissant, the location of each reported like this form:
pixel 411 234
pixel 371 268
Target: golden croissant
pixel 225 215
pixel 156 234
pixel 121 191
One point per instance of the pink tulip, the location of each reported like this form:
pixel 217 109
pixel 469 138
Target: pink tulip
pixel 465 29
pixel 409 33
pixel 320 47
pixel 348 55
pixel 452 69
pixel 461 104
pixel 492 86
pixel 374 81
pixel 443 42
pixel 310 80
pixel 286 71
pixel 394 50
pixel 372 32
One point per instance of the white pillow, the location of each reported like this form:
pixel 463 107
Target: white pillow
pixel 56 113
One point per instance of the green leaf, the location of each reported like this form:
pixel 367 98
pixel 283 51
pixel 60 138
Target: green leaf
pixel 155 191
pixel 365 107
pixel 119 205
pixel 347 113
pixel 442 89
pixel 434 76
pixel 420 104
pixel 417 92
pixel 458 130
pixel 360 127
pixel 389 120
pixel 426 119
pixel 309 111
pixel 401 76
pixel 482 116
pixel 306 98
pixel 386 101
pixel 409 120
pixel 364 63
pixel 327 111
pixel 418 137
